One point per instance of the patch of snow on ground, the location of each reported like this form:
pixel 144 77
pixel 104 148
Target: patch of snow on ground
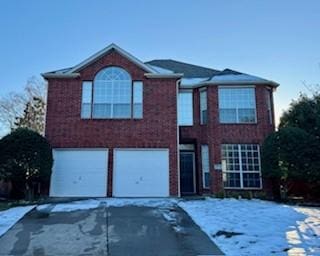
pixel 149 202
pixel 11 216
pixel 171 216
pixel 76 205
pixel 116 202
pixel 268 228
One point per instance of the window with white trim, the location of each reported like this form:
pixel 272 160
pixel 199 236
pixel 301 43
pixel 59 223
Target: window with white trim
pixel 185 108
pixel 241 166
pixel 112 94
pixel 137 99
pixel 203 107
pixel 237 105
pixel 205 166
pixel 269 104
pixel 86 101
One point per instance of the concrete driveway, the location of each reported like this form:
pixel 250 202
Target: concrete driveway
pixel 128 230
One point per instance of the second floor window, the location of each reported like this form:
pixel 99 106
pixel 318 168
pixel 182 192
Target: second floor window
pixel 110 95
pixel 269 104
pixel 237 105
pixel 185 108
pixel 86 99
pixel 203 107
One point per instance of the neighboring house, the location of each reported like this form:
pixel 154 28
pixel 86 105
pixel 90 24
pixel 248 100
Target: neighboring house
pixel 126 128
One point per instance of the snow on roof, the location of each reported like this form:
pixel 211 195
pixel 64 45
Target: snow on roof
pixel 160 70
pixel 193 81
pixel 236 77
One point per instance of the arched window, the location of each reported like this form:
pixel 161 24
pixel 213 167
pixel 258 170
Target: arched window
pixel 112 88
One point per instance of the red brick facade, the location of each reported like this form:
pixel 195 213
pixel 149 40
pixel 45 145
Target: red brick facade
pixel 157 128
pixel 214 134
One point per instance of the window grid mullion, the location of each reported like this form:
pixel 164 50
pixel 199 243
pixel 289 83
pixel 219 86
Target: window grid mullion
pixel 240 165
pixel 259 159
pixel 91 103
pixel 132 100
pixel 112 99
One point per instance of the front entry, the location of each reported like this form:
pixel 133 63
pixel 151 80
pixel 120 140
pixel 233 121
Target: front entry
pixel 187 175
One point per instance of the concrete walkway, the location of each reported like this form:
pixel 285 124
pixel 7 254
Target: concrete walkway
pixel 128 230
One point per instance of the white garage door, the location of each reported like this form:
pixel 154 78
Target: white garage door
pixel 141 173
pixel 79 173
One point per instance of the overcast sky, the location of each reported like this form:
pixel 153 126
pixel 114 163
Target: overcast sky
pixel 277 40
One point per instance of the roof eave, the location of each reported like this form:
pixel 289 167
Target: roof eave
pixel 241 82
pixel 153 75
pixel 65 75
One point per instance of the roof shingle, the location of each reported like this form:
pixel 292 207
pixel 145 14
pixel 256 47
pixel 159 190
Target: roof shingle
pixel 189 70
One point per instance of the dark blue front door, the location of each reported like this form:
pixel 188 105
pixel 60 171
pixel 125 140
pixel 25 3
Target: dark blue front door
pixel 187 173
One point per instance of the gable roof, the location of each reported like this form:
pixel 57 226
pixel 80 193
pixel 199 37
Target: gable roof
pixel 104 51
pixel 192 75
pixel 188 70
pixel 73 71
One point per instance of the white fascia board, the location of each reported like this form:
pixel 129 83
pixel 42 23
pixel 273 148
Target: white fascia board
pixel 174 75
pixel 107 49
pixel 59 75
pixel 234 82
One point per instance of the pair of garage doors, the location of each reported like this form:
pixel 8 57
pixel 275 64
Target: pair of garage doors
pixel 136 173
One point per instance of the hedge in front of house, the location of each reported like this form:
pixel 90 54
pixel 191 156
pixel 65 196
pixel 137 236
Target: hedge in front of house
pixel 25 160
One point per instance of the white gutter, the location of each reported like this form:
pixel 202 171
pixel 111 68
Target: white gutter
pixel 233 82
pixel 57 75
pixel 174 75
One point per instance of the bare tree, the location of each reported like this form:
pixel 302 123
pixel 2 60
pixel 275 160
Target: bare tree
pixel 314 89
pixel 24 109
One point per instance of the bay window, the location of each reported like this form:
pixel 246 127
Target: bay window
pixel 269 104
pixel 237 105
pixel 203 107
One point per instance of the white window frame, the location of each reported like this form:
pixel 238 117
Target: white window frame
pixel 205 164
pixel 83 101
pixel 112 83
pixel 269 104
pixel 237 121
pixel 241 172
pixel 203 105
pixel 92 102
pixel 183 122
pixel 136 98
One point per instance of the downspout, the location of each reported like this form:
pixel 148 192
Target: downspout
pixel 178 143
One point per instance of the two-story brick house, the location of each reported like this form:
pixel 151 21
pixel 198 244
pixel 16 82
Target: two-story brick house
pixel 127 128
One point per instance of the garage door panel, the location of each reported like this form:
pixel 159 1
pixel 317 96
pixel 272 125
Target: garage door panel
pixel 141 173
pixel 79 173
